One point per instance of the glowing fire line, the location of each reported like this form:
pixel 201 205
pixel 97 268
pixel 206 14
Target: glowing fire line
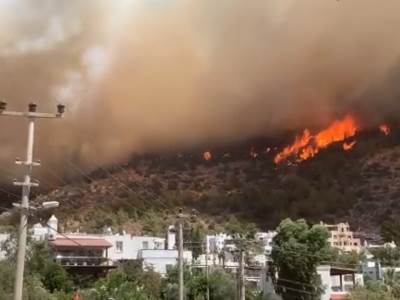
pixel 349 146
pixel 307 145
pixel 385 128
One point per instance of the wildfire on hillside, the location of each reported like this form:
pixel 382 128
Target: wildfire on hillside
pixel 307 145
pixel 207 155
pixel 385 128
pixel 349 146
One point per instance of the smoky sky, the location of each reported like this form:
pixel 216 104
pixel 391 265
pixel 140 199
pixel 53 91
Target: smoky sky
pixel 153 74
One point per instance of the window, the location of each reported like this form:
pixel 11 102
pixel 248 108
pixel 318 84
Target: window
pixel 145 245
pixel 119 245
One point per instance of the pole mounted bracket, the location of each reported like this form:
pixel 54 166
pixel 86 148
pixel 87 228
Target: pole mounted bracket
pixel 19 206
pixel 35 163
pixel 23 183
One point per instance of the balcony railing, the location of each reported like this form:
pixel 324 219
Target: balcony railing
pixel 83 261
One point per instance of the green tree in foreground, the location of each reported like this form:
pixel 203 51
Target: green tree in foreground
pixel 42 277
pixel 373 290
pixel 222 285
pixel 389 257
pixel 7 269
pixel 298 250
pixel 41 264
pixel 392 282
pixel 129 281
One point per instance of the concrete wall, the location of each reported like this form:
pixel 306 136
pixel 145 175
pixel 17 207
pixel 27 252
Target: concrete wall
pixel 132 245
pixel 325 274
pixel 159 260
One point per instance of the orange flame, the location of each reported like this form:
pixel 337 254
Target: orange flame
pixel 385 128
pixel 299 143
pixel 207 155
pixel 348 146
pixel 307 145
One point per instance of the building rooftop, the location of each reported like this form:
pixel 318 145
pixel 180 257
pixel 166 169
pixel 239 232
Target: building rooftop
pixel 80 242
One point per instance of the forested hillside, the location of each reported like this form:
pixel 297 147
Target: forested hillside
pixel 361 186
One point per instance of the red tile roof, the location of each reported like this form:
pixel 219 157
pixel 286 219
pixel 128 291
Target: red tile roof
pixel 80 242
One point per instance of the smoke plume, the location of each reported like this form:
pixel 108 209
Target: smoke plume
pixel 152 74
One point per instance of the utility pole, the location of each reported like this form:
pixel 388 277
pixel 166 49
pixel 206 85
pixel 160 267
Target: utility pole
pixel 242 288
pixel 208 284
pixel 180 256
pixel 26 185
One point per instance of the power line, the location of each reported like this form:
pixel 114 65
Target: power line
pixel 296 252
pixel 81 172
pixel 76 168
pixel 10 176
pixel 295 282
pixel 115 177
pixel 9 193
pixel 154 197
pixel 65 236
pixel 279 285
pixel 54 174
pixel 294 289
pixel 306 252
pixel 6 208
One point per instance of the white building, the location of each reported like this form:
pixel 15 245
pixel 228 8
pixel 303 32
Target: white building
pixel 171 238
pixel 338 282
pixel 79 252
pixel 105 250
pixel 42 233
pixel 259 259
pixel 216 243
pixel 266 239
pixel 52 226
pixel 126 246
pixel 39 232
pixel 342 238
pixel 160 260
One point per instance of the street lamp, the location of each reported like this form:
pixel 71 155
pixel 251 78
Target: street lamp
pixel 50 204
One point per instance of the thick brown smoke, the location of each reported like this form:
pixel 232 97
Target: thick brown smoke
pixel 154 74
